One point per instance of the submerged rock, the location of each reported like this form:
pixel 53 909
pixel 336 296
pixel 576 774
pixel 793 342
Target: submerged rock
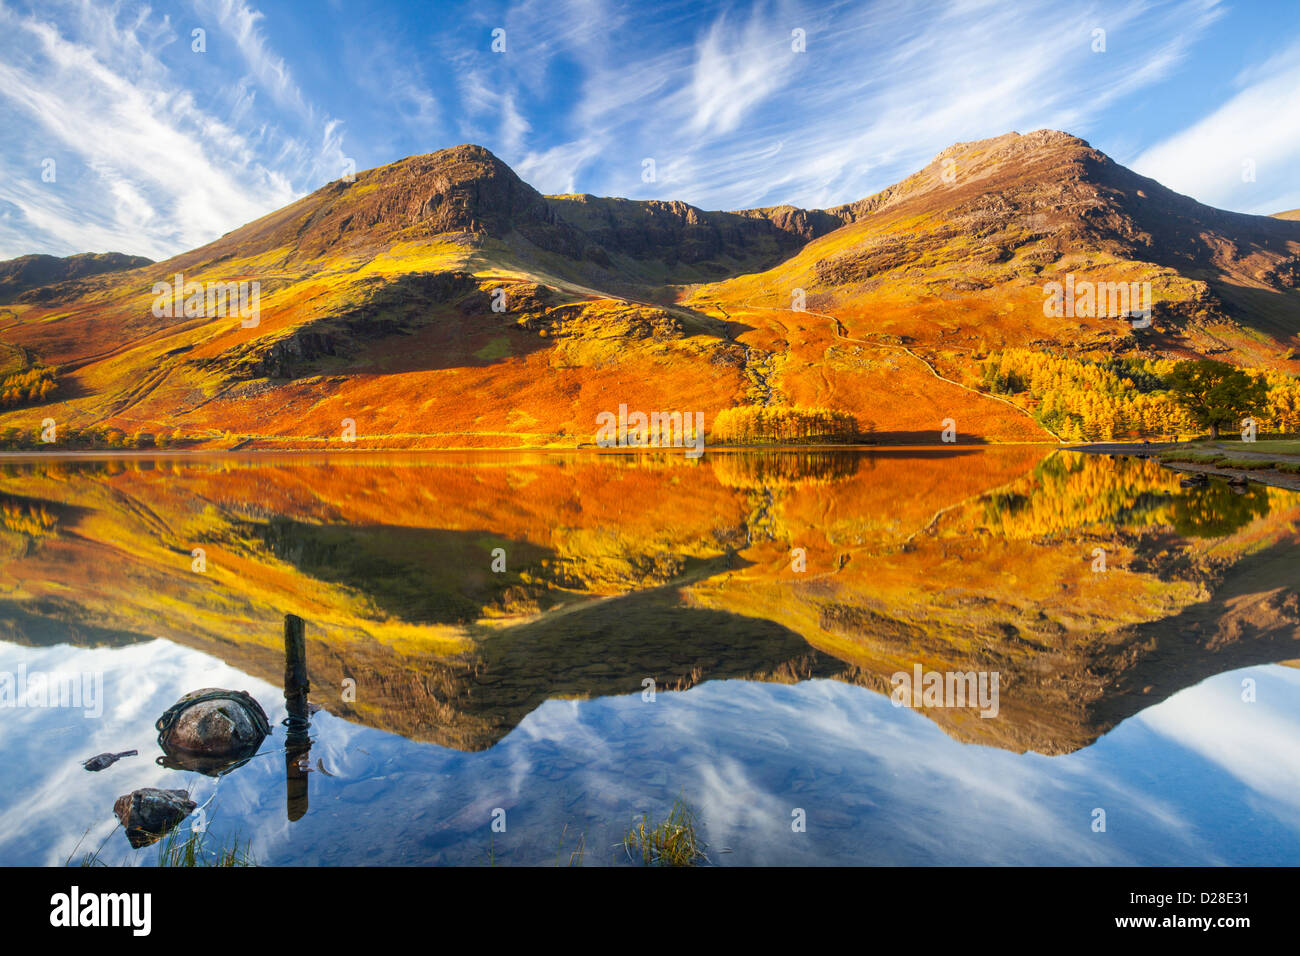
pixel 100 761
pixel 212 729
pixel 148 814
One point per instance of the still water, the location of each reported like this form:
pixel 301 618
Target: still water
pixel 566 642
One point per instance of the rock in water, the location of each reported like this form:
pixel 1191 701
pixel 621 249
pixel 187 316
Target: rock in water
pixel 212 731
pixel 100 761
pixel 214 723
pixel 149 813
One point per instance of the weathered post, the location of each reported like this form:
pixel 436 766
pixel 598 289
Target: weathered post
pixel 297 748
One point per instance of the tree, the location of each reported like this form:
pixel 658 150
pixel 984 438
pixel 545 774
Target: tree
pixel 1216 394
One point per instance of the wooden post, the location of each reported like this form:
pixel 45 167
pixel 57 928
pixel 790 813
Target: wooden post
pixel 297 749
pixel 295 658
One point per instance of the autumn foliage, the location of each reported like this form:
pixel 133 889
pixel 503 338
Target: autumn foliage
pixel 1120 398
pixel 757 425
pixel 26 387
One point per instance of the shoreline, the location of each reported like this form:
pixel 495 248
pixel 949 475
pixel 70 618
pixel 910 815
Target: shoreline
pixel 1264 476
pixel 111 453
pixel 1153 450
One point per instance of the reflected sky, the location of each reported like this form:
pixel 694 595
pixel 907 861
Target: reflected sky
pixel 1202 778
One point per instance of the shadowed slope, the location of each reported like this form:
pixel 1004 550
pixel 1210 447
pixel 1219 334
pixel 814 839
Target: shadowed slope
pixel 25 278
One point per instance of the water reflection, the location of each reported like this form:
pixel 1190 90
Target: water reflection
pixel 1216 509
pixel 297 747
pixel 1202 778
pixel 461 602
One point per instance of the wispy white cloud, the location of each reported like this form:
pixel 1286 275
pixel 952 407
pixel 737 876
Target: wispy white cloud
pixel 737 118
pixel 160 149
pixel 736 70
pixel 487 108
pixel 1244 154
pixel 140 166
pixel 1212 720
pixel 270 71
pixel 555 170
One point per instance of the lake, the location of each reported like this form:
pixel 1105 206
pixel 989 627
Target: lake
pixel 513 656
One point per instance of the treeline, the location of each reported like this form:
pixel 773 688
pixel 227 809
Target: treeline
pixel 27 387
pixel 95 437
pixel 1123 397
pixel 756 425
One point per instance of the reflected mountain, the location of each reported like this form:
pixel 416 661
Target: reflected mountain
pixel 459 593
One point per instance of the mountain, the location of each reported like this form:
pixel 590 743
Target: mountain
pixel 440 301
pixel 468 195
pixel 21 275
pixel 1289 214
pixel 1023 209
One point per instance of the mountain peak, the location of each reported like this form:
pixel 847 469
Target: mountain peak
pixel 463 189
pixel 1013 143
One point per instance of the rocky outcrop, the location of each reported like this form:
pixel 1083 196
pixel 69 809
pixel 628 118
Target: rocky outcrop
pixel 464 189
pixel 678 233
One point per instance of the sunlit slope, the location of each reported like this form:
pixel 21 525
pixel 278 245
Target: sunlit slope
pixel 619 568
pixel 436 302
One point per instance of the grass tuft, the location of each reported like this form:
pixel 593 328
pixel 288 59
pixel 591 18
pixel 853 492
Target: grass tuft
pixel 672 842
pixel 191 852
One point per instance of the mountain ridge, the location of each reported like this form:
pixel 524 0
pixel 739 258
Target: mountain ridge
pixel 35 271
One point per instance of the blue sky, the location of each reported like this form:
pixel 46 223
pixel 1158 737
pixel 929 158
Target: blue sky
pixel 157 148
